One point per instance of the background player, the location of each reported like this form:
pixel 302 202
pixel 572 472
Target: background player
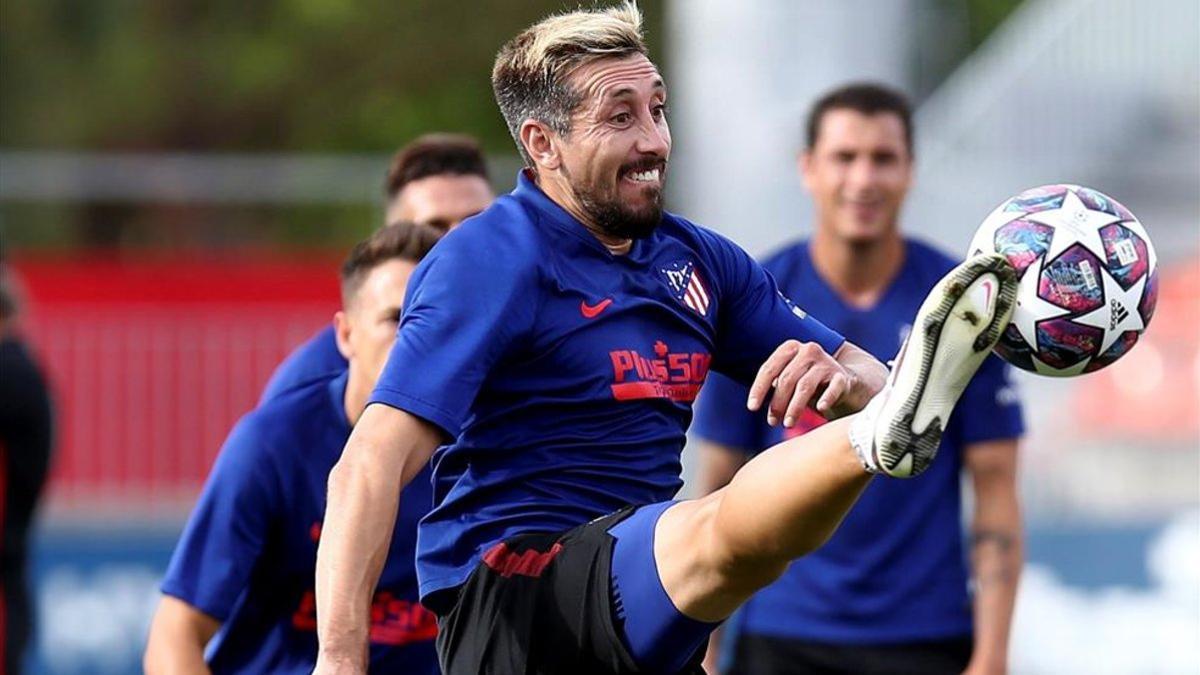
pixel 561 337
pixel 877 599
pixel 26 441
pixel 245 561
pixel 439 180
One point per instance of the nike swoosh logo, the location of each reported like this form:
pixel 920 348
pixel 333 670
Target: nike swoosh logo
pixel 987 298
pixel 593 311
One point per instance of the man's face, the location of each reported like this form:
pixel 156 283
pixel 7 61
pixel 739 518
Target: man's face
pixel 442 201
pixel 615 157
pixel 366 327
pixel 858 172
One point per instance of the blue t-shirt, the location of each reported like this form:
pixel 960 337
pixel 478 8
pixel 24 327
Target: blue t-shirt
pixel 316 359
pixel 248 554
pixel 895 569
pixel 567 374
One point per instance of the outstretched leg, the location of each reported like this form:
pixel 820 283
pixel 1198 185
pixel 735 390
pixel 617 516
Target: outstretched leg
pixel 713 553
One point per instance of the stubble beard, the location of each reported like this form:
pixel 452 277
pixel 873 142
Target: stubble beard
pixel 618 219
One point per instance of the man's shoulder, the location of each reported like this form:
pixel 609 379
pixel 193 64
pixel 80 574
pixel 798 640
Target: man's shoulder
pixel 781 263
pixel 286 421
pixel 16 360
pixel 927 257
pixel 787 257
pixel 704 240
pixel 506 228
pixel 317 358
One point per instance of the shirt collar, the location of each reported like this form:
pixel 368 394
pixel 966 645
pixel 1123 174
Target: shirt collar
pixel 528 192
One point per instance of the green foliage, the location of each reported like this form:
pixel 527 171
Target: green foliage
pixel 231 75
pixel 983 16
pixel 237 76
pixel 279 75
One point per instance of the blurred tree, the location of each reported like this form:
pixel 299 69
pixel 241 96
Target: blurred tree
pixel 946 32
pixel 305 75
pixel 236 76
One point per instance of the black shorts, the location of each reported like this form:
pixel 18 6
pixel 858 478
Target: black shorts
pixel 539 603
pixel 763 655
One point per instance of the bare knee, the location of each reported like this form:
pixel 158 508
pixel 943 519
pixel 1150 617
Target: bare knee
pixel 705 570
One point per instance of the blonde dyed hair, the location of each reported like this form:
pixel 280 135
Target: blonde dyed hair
pixel 529 78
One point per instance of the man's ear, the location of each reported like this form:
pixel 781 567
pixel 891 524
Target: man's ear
pixel 341 330
pixel 803 167
pixel 538 140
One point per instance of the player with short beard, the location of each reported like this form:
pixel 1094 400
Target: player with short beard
pixel 561 337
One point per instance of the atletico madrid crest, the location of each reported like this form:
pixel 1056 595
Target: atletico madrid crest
pixel 687 286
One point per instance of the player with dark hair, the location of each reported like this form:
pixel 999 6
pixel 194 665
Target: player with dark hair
pixel 438 180
pixel 894 599
pixel 26 442
pixel 561 337
pixel 243 569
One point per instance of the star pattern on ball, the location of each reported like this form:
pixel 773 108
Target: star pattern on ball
pixel 1042 368
pixel 1031 308
pixel 1119 313
pixel 1075 217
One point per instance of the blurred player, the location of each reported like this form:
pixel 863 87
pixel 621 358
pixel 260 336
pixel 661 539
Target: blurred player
pixel 877 599
pixel 438 180
pixel 557 342
pixel 243 569
pixel 26 440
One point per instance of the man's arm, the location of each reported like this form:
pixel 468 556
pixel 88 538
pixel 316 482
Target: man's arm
pixel 386 449
pixel 178 635
pixel 869 377
pixel 997 550
pixel 718 463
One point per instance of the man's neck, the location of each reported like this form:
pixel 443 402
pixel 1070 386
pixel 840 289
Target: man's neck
pixel 858 272
pixel 355 399
pixel 562 195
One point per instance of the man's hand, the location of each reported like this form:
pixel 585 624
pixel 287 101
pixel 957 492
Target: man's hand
pixel 802 374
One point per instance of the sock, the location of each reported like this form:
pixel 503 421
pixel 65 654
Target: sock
pixel 862 431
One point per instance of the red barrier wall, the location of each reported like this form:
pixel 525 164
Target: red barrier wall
pixel 152 360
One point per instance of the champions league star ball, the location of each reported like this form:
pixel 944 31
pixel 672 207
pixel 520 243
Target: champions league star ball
pixel 1088 275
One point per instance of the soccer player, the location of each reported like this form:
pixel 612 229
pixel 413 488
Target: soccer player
pixel 26 442
pixel 439 180
pixel 560 338
pixel 243 569
pixel 877 598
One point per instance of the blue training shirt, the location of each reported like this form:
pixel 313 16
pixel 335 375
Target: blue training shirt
pixel 248 554
pixel 316 359
pixel 567 374
pixel 895 570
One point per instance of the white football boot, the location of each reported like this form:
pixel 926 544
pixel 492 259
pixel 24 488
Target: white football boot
pixel 954 331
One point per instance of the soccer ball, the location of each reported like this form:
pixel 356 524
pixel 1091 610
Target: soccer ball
pixel 1089 278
